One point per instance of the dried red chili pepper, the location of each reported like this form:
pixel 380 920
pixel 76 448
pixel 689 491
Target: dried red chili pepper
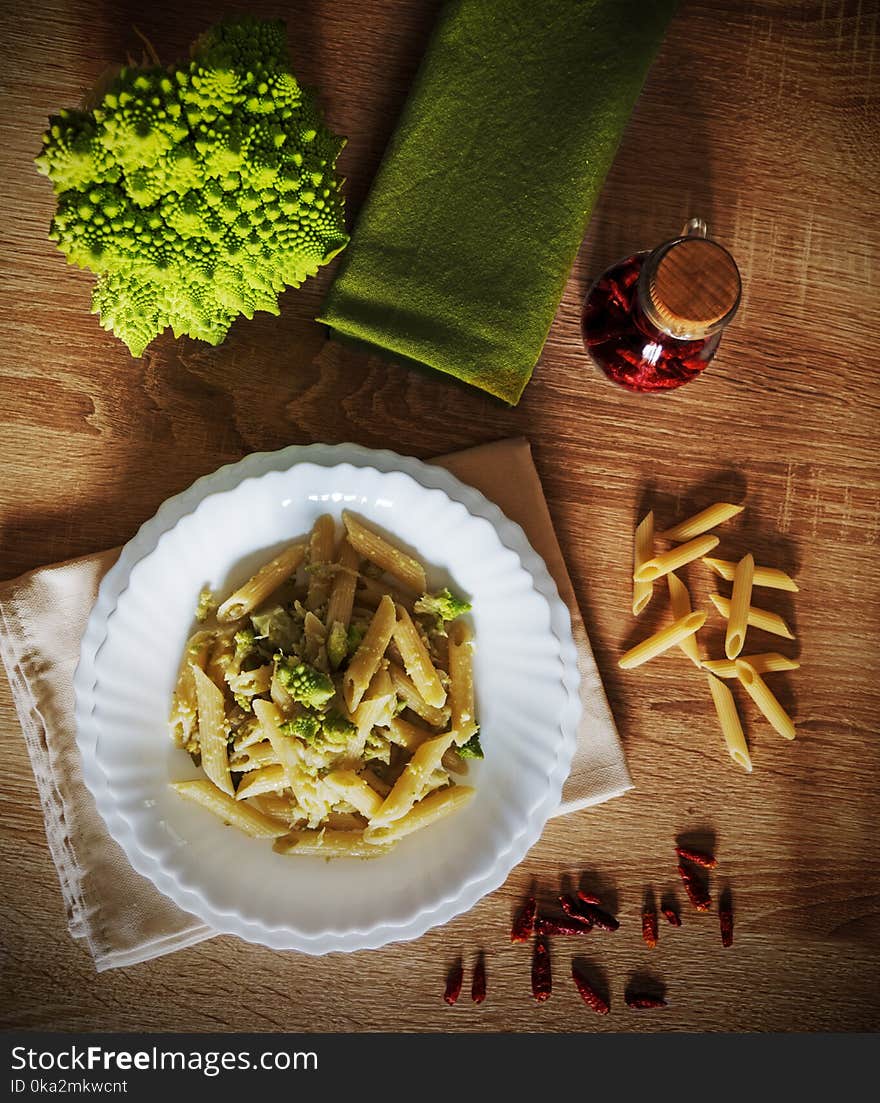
pixel 571 908
pixel 589 898
pixel 726 916
pixel 547 926
pixel 673 916
pixel 698 894
pixel 600 919
pixel 707 861
pixel 524 923
pixel 453 983
pixel 588 994
pixel 478 985
pixel 649 927
pixel 642 1002
pixel 542 979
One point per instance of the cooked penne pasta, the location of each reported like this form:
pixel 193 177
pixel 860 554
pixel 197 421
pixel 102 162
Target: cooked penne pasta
pixel 661 641
pixel 761 694
pixel 701 522
pixel 267 579
pixel 377 706
pixel 328 843
pixel 643 550
pixel 662 564
pixel 740 598
pixel 212 731
pixel 314 637
pixel 461 684
pixel 322 545
pixel 378 550
pixel 289 753
pixel 407 735
pixel 355 790
pixel 680 600
pixel 269 779
pixel 341 599
pixel 731 728
pixel 770 577
pixel 226 808
pixel 370 592
pixel 434 807
pixel 365 661
pixel 757 618
pixel 412 699
pixel 255 757
pixel 411 784
pixel 767 662
pixel 417 661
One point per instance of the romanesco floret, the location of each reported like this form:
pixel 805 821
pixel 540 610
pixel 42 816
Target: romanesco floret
pixel 356 633
pixel 473 748
pixel 336 728
pixel 442 606
pixel 305 726
pixel 197 192
pixel 305 684
pixel 245 645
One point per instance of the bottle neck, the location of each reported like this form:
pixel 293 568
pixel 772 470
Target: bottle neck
pixel 680 330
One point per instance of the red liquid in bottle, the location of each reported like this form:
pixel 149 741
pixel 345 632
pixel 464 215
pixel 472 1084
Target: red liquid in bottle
pixel 632 351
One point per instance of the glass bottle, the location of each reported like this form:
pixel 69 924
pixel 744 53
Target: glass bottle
pixel 653 321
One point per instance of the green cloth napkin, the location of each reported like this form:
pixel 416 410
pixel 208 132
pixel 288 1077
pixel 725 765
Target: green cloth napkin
pixel 463 247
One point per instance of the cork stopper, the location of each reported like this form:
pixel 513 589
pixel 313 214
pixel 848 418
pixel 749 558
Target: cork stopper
pixel 694 285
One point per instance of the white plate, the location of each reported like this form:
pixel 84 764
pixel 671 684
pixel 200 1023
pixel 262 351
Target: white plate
pixel 215 534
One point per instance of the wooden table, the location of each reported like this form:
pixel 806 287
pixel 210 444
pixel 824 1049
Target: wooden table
pixel 762 118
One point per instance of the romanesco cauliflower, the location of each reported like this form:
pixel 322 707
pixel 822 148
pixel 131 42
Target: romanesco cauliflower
pixel 197 192
pixel 305 684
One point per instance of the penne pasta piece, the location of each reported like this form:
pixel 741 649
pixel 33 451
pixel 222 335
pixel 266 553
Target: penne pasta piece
pixel 770 577
pixel 274 806
pixel 377 706
pixel 184 709
pixel 255 756
pixel 322 544
pixel 356 790
pixel 761 694
pixel 767 662
pixel 407 735
pixel 365 661
pixel 643 550
pixel 314 637
pixel 375 782
pixel 212 731
pixel 434 807
pixel 269 779
pixel 417 661
pixel 378 550
pixel 661 641
pixel 414 780
pixel 662 564
pixel 220 660
pixel 308 791
pixel 731 728
pixel 345 579
pixel 327 843
pixel 740 599
pixel 412 699
pixel 243 816
pixel 701 522
pixel 370 592
pixel 268 578
pixel 757 618
pixel 461 683
pixel 680 600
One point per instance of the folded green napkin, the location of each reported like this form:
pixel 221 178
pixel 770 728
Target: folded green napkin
pixel 462 249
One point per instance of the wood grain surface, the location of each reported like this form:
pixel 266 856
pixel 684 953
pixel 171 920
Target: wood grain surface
pixel 760 117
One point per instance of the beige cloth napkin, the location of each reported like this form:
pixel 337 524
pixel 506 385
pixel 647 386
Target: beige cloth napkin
pixel 121 917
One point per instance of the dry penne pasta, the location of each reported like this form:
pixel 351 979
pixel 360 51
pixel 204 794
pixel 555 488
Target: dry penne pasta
pixel 643 550
pixel 341 599
pixel 226 808
pixel 417 661
pixel 356 790
pixel 661 641
pixel 763 697
pixel 412 699
pixel 461 684
pixel 731 728
pixel 432 808
pixel 701 522
pixel 268 779
pixel 766 662
pixel 328 843
pixel 322 545
pixel 671 560
pixel 757 618
pixel 212 731
pixel 680 600
pixel 365 661
pixel 767 577
pixel 385 555
pixel 267 579
pixel 740 599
